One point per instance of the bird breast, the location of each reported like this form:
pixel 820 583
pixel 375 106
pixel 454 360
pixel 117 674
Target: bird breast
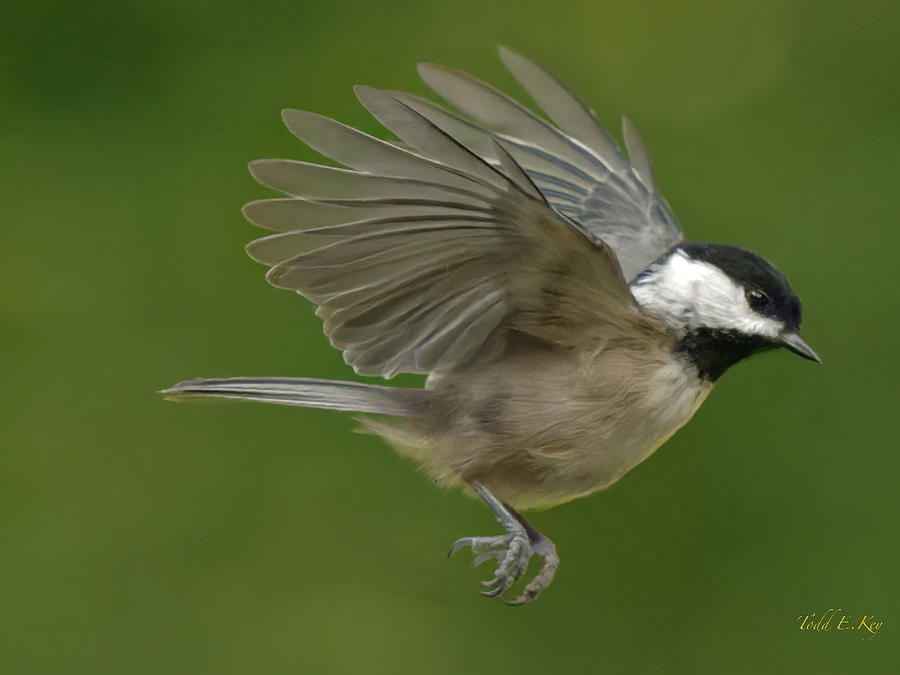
pixel 543 427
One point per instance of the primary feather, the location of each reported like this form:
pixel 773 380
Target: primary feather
pixel 420 255
pixel 584 175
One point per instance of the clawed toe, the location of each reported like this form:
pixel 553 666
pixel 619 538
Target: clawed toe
pixel 512 551
pixel 481 545
pixel 484 557
pixel 545 549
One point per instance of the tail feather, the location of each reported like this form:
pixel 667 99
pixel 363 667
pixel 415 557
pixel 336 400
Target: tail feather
pixel 306 392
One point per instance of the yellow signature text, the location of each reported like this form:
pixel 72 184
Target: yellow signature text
pixel 835 620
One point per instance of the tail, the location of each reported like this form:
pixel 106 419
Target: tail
pixel 307 392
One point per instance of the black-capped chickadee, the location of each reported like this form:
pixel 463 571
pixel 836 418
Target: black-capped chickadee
pixel 532 271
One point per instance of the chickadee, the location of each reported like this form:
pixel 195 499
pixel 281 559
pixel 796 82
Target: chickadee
pixel 532 271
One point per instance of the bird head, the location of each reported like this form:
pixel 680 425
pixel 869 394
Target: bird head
pixel 722 303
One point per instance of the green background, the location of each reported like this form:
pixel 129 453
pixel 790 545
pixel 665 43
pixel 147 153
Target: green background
pixel 141 536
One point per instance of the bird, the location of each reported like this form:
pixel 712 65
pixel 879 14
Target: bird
pixel 530 270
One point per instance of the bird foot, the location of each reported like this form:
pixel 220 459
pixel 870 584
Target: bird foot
pixel 512 551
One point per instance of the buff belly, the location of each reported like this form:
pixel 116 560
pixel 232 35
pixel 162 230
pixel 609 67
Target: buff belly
pixel 537 437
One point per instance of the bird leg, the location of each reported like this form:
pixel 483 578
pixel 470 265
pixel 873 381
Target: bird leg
pixel 512 551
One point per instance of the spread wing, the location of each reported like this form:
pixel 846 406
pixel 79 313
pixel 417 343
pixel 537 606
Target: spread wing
pixel 415 255
pixel 577 166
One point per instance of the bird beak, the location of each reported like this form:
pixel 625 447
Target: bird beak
pixel 796 344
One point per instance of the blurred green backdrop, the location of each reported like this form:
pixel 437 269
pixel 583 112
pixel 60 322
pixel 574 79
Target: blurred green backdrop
pixel 140 536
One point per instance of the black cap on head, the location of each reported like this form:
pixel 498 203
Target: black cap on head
pixel 768 290
pixel 768 293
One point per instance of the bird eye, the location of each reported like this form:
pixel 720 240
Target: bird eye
pixel 757 299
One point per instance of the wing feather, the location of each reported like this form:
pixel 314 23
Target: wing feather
pixel 564 108
pixel 578 168
pixel 424 138
pixel 638 154
pixel 417 255
pixel 495 110
pixel 284 215
pixel 357 150
pixel 314 181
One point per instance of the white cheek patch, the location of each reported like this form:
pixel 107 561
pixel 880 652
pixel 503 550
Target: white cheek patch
pixel 690 294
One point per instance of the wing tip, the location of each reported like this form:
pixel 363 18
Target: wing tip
pixel 298 121
pixel 428 69
pixel 362 89
pixel 248 208
pixel 425 65
pixel 251 211
pixel 180 391
pixel 263 168
pixel 369 96
pixel 507 54
pixel 250 249
pixel 275 277
pixel 256 168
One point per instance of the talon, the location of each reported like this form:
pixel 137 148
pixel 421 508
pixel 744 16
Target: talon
pixel 512 550
pixel 460 543
pixel 504 585
pixel 484 557
pixel 498 586
pixel 521 600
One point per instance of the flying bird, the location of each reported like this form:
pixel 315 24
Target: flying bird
pixel 531 270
